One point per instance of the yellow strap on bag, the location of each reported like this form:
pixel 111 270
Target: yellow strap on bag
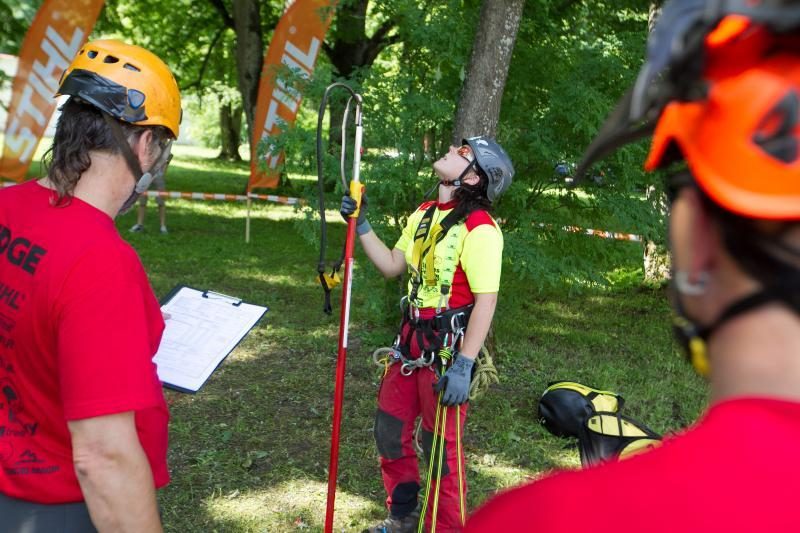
pixel 612 435
pixel 565 405
pixel 603 400
pixel 638 446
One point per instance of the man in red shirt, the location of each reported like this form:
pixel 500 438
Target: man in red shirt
pixel 728 113
pixel 83 421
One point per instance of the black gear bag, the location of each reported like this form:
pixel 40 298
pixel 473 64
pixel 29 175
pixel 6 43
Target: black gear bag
pixel 569 409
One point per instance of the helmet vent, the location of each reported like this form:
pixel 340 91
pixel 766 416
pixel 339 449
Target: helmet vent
pixel 110 59
pixel 776 133
pixel 131 67
pixel 92 54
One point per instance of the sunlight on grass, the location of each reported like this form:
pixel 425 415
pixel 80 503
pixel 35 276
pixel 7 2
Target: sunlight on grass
pixel 501 473
pixel 260 209
pixel 185 150
pixel 301 177
pixel 297 503
pixel 323 331
pixel 202 165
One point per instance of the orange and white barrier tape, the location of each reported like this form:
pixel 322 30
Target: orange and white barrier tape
pixel 286 200
pixel 599 233
pixel 604 234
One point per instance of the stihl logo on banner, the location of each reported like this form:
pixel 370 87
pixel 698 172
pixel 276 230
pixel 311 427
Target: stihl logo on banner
pixel 58 31
pixel 295 44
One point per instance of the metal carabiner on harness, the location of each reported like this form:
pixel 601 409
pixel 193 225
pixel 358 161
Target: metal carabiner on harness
pixel 384 356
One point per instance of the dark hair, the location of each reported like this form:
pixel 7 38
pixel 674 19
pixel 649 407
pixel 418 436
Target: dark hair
pixel 81 129
pixel 759 247
pixel 473 197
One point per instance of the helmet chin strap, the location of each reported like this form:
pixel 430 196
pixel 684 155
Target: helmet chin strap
pixel 694 337
pixel 144 178
pixel 453 183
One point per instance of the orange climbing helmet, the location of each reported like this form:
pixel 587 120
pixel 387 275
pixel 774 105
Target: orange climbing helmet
pixel 742 142
pixel 721 90
pixel 128 82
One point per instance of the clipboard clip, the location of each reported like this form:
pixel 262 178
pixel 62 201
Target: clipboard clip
pixel 236 302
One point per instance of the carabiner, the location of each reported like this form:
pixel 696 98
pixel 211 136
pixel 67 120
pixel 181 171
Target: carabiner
pixel 383 356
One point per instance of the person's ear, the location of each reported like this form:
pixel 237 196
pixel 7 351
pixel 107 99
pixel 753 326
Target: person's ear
pixel 142 148
pixel 704 239
pixel 472 178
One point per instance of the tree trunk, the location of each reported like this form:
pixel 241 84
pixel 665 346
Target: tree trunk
pixel 655 257
pixel 249 55
pixel 230 125
pixel 653 13
pixel 482 93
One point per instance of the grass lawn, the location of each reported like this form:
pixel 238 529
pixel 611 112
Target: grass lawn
pixel 249 452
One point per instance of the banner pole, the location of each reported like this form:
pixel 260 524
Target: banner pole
pixel 247 221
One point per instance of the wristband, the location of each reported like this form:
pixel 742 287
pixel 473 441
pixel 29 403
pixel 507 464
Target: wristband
pixel 364 227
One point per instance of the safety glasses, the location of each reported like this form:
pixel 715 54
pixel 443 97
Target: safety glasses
pixel 466 152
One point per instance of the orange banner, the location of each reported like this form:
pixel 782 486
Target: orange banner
pixel 295 44
pixel 59 29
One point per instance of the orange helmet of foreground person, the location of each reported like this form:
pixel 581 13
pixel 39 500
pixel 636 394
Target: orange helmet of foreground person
pixel 741 143
pixel 125 81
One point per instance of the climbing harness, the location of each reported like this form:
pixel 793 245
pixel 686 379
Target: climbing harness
pixel 347 259
pixel 426 240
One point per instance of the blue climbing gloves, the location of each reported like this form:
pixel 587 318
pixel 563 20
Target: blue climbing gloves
pixel 349 207
pixel 456 381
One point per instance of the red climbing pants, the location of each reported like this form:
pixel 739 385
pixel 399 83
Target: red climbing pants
pixel 401 400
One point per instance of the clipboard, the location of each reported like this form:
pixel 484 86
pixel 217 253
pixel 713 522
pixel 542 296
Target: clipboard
pixel 203 328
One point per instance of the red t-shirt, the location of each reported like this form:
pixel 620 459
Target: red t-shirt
pixel 737 470
pixel 79 326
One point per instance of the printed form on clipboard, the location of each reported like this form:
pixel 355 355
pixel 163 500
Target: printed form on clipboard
pixel 202 329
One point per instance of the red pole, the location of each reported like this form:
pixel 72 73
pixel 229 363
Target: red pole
pixel 338 393
pixel 344 319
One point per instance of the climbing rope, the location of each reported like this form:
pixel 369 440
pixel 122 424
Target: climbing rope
pixel 462 505
pixel 385 357
pixel 440 409
pixel 485 375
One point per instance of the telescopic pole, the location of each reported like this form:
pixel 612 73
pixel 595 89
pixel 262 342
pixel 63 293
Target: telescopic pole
pixel 344 318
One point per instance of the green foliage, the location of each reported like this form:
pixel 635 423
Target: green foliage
pixel 15 18
pixel 572 61
pixel 203 111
